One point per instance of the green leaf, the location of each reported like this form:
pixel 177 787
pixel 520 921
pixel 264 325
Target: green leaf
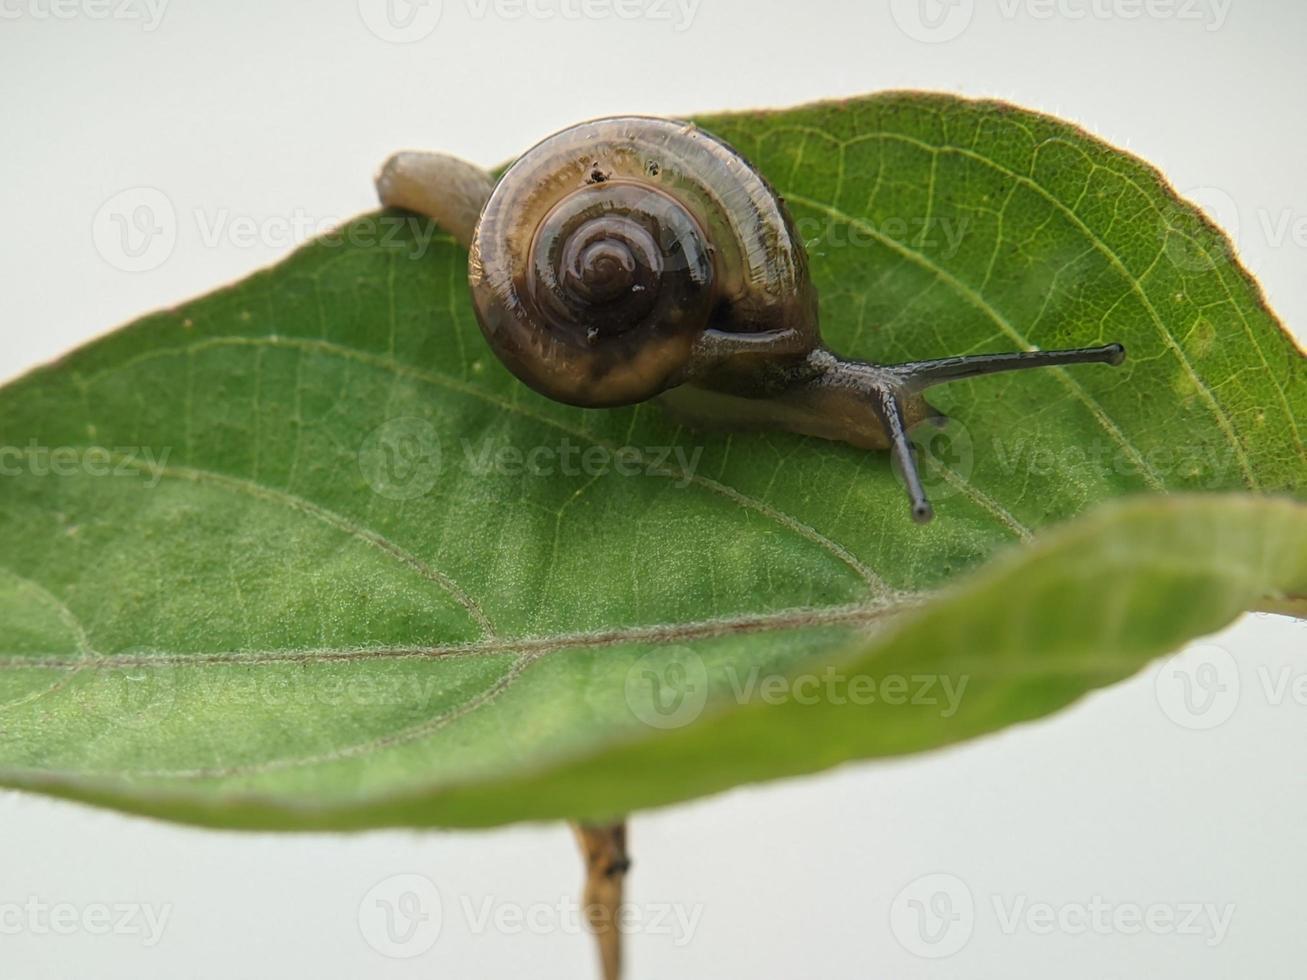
pixel 274 559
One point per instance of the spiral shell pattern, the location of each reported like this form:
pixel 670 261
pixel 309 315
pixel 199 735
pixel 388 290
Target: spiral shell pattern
pixel 606 251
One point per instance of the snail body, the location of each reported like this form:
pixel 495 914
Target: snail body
pixel 633 258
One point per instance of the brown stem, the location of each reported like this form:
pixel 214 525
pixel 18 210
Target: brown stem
pixel 606 864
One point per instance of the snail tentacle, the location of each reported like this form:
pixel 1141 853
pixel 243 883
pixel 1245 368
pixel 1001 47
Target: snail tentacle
pixel 919 375
pixel 886 405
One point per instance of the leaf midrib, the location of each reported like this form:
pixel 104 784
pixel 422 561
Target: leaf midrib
pixel 782 620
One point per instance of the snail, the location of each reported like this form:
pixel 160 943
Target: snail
pixel 633 258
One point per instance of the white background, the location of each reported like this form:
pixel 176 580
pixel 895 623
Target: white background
pixel 255 113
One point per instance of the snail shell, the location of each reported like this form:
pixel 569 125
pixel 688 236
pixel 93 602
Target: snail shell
pixel 607 251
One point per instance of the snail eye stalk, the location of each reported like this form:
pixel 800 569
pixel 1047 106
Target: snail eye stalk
pixel 887 408
pixel 916 376
pixel 919 375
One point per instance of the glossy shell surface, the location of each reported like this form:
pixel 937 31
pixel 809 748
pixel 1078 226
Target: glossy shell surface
pixel 606 252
